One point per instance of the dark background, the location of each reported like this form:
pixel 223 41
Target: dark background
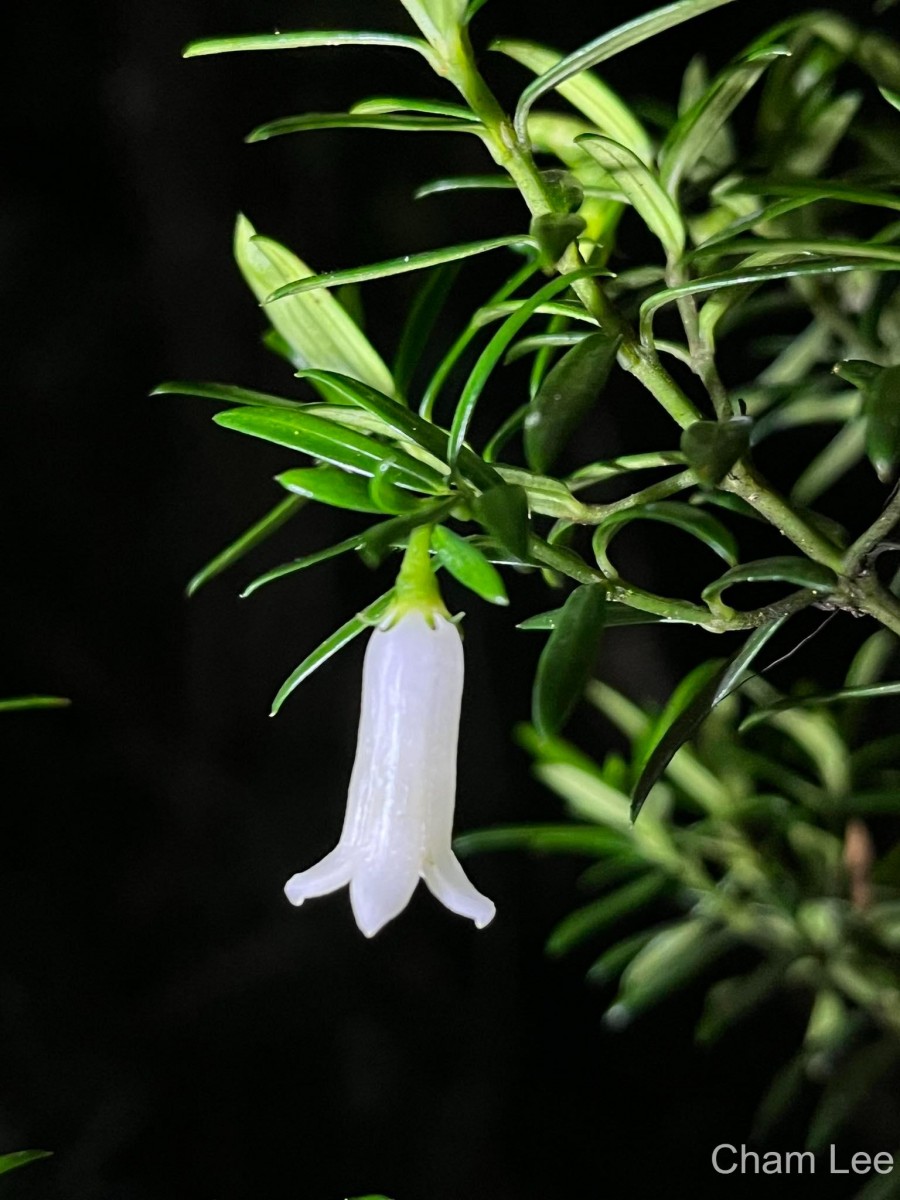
pixel 169 1026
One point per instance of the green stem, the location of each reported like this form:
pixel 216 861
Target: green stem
pixel 416 586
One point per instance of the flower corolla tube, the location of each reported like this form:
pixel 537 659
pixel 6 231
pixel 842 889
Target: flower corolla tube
pixel 398 824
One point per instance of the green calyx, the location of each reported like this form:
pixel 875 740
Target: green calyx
pixel 416 589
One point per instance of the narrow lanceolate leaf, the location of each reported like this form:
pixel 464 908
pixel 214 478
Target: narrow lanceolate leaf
pixel 698 127
pixel 401 104
pixel 331 485
pixel 318 330
pixel 882 410
pixel 394 266
pixel 787 568
pixel 468 565
pixel 417 329
pixel 248 540
pixel 406 424
pixel 496 348
pixel 20 1158
pixel 567 660
pixel 605 47
pixel 669 961
pixel 687 517
pixel 503 511
pixel 376 543
pixel 457 183
pixel 608 910
pixel 685 723
pixel 893 98
pixel 586 92
pixel 331 443
pixel 642 189
pixel 226 392
pixel 711 448
pixel 300 564
pixel 616 614
pixel 23 703
pixel 305 39
pixel 569 391
pixel 396 122
pixel 753 276
pixel 544 839
pixel 871 691
pixel 340 638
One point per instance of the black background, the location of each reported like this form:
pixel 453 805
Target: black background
pixel 169 1026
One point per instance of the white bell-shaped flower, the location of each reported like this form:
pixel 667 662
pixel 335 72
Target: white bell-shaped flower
pixel 399 818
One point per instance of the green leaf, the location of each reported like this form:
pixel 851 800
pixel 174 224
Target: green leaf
pixel 872 691
pixel 785 568
pixel 456 183
pixel 391 122
pixel 496 348
pixel 248 540
pixel 568 393
pixel 616 614
pixel 20 1158
pixel 23 703
pixel 403 104
pixel 376 543
pixel 670 961
pixel 340 638
pixel 226 392
pixel 612 962
pixel 305 39
pixel 605 47
pixel 393 266
pixel 713 447
pixel 404 423
pixel 882 411
pixel 317 328
pixel 555 233
pixel 586 92
pixel 567 660
pixel 687 517
pixel 684 724
pixel 892 98
pixel 503 511
pixel 300 564
pixel 698 127
pixel 642 189
pixel 542 341
pixel 331 485
pixel 331 443
pixel 546 839
pixel 468 565
pixel 608 910
pixel 420 322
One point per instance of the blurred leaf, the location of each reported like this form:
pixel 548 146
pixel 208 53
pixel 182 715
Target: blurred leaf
pixel 852 1083
pixel 600 914
pixel 891 97
pixel 869 692
pixel 684 724
pixel 376 543
pixel 523 311
pixel 20 1158
pixel 782 1095
pixel 612 962
pixel 420 322
pixel 393 266
pixel 347 632
pixel 616 614
pixel 882 410
pixel 711 448
pixel 671 960
pixel 22 703
pixel 731 1000
pixel 809 190
pixel 467 564
pixel 331 485
pixel 857 371
pixel 226 392
pixel 405 123
pixel 568 393
pixel 589 840
pixel 248 540
pixel 687 517
pixel 304 39
pixel 697 127
pixel 567 659
pixel 586 92
pixel 300 564
pixel 503 511
pixel 785 568
pixel 642 188
pixel 331 443
pixel 605 47
pixel 555 233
